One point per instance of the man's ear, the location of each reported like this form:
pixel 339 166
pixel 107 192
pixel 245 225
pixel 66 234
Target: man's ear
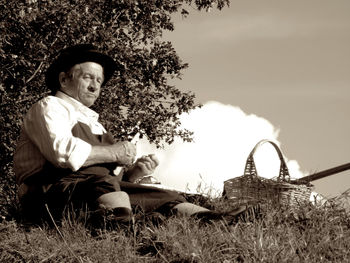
pixel 62 77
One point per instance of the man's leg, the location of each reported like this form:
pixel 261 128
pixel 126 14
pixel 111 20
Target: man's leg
pixel 188 209
pixel 149 198
pixel 100 192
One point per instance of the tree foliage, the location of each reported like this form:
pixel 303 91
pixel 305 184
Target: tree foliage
pixel 138 98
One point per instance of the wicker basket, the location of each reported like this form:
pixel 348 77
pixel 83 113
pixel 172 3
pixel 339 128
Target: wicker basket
pixel 280 191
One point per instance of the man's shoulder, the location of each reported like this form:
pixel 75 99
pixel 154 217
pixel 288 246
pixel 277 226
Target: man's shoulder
pixel 51 103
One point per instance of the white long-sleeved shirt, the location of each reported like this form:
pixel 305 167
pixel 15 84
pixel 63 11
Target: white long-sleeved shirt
pixel 46 135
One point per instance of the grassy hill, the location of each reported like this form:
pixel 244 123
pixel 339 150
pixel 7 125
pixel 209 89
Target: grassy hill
pixel 311 234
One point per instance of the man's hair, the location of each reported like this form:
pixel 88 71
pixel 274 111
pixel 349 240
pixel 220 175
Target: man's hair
pixel 71 73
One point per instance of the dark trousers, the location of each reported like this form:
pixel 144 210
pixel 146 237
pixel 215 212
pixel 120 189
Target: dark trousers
pixel 79 191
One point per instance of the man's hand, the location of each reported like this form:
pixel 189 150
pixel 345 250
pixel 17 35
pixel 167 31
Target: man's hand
pixel 143 166
pixel 124 152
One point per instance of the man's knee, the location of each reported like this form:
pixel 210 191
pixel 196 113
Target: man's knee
pixel 118 203
pixel 114 200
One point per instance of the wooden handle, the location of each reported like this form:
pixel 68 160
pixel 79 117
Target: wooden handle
pixel 325 173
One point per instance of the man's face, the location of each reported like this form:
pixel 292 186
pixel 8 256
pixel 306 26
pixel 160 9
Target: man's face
pixel 83 82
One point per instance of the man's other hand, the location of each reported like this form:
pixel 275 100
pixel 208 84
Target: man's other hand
pixel 143 166
pixel 147 164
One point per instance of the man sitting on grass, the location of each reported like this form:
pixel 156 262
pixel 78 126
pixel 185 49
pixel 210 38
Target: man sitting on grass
pixel 65 158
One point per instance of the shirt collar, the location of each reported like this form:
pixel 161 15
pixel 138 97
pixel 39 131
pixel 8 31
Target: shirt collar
pixel 78 106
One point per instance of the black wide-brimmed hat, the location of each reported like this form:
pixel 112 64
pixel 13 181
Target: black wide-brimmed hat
pixel 75 55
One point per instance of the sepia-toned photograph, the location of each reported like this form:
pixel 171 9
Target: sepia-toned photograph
pixel 181 131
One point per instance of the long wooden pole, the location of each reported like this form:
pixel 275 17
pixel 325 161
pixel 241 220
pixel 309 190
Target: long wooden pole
pixel 325 173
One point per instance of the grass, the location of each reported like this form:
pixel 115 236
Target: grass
pixel 313 234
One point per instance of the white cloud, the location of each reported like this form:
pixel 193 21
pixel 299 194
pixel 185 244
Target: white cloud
pixel 223 137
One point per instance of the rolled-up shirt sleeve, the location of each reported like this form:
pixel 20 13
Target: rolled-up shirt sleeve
pixel 49 126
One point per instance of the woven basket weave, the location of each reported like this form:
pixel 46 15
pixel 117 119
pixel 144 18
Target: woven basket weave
pixel 280 191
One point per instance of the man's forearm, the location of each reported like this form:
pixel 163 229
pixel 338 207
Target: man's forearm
pixel 122 153
pixel 100 154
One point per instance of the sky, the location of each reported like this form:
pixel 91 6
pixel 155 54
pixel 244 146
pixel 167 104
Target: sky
pixel 285 64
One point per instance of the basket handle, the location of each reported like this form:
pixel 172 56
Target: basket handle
pixel 250 169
